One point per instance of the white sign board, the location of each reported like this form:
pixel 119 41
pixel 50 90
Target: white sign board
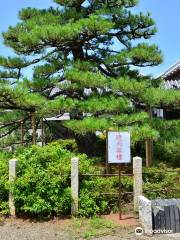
pixel 119 147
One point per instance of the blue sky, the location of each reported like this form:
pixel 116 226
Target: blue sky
pixel 165 13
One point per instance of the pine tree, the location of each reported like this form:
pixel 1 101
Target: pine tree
pixel 90 52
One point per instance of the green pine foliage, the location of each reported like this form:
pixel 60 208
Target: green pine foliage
pixel 91 52
pixel 168 145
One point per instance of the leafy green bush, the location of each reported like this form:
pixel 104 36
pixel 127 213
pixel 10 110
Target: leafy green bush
pixel 43 184
pixel 4 157
pixel 100 195
pixel 92 200
pixel 166 149
pixel 159 183
pixel 68 144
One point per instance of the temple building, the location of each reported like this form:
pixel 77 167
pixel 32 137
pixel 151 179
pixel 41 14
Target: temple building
pixel 171 81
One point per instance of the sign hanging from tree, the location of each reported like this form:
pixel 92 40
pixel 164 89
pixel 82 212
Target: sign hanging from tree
pixel 118 146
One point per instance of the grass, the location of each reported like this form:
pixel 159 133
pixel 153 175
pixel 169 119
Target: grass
pixel 82 228
pixel 99 227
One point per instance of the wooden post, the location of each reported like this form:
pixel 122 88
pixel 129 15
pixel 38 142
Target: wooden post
pixel 137 175
pixel 120 195
pixel 107 164
pixel 12 176
pixel 22 134
pixel 42 132
pixel 74 185
pixel 149 152
pixel 149 144
pixel 33 128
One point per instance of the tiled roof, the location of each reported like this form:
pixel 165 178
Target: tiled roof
pixel 173 69
pixel 169 75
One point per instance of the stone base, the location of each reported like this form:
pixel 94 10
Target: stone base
pixel 159 216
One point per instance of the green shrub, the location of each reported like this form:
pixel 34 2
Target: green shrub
pixel 43 184
pixel 100 195
pixel 4 157
pixel 68 144
pixel 92 200
pixel 162 184
pixel 166 149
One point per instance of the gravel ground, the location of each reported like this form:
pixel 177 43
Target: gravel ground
pixel 18 229
pixel 27 230
pixel 157 237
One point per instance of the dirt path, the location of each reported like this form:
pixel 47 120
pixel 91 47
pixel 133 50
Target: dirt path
pixel 27 230
pixel 18 229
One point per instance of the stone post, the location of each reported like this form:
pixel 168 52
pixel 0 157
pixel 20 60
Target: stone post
pixel 145 214
pixel 74 185
pixel 137 173
pixel 12 175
